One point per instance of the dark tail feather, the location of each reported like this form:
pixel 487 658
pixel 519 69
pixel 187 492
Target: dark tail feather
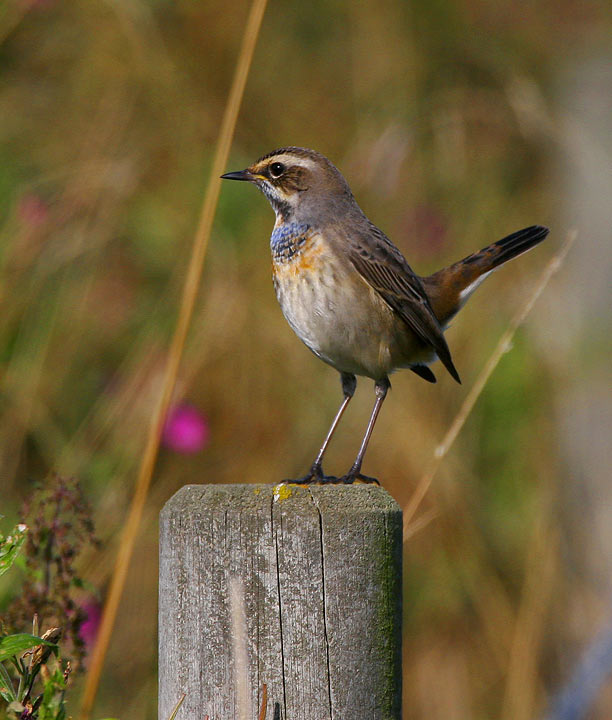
pixel 445 358
pixel 424 372
pixel 509 247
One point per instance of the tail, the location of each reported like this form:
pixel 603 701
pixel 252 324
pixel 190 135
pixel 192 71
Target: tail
pixel 449 289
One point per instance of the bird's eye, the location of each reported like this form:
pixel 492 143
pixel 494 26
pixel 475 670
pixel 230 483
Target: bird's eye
pixel 276 169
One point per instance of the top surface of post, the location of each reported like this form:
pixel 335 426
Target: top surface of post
pixel 356 498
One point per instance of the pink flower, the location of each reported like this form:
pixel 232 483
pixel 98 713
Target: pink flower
pixel 89 628
pixel 186 430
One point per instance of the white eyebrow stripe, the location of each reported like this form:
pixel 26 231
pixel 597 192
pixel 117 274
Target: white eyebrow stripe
pixel 293 160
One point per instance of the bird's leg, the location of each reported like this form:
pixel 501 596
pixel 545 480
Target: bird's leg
pixel 315 474
pixel 355 472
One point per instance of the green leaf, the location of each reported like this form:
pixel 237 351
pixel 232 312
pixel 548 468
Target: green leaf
pixel 52 705
pixel 10 546
pixel 11 645
pixel 6 685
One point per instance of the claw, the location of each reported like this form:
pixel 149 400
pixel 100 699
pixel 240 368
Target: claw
pixel 314 476
pixel 351 476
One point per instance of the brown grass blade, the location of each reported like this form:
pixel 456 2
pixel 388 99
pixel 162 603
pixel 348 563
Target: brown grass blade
pixel 177 707
pixel 502 347
pixel 264 702
pixel 190 288
pixel 523 679
pixel 240 654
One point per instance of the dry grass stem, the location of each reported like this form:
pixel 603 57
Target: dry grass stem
pixel 264 702
pixel 502 347
pixel 420 523
pixel 177 707
pixel 239 649
pixel 522 673
pixel 188 299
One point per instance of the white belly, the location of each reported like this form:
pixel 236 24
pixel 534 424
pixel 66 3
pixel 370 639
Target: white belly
pixel 338 315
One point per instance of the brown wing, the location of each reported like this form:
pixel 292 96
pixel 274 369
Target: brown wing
pixel 382 265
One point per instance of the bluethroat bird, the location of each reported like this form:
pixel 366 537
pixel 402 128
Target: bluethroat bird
pixel 347 291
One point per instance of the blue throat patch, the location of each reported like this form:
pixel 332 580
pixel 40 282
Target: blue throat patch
pixel 287 240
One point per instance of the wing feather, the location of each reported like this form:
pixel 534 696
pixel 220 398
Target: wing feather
pixel 385 269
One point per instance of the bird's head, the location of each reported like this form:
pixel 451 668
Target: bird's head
pixel 297 182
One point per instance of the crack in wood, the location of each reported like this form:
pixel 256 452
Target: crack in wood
pixel 324 598
pixel 280 609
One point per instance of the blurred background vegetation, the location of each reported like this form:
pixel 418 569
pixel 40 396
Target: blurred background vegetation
pixel 455 122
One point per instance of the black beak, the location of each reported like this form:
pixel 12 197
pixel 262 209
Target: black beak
pixel 240 175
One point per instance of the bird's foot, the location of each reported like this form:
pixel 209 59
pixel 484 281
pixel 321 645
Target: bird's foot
pixel 315 475
pixel 353 475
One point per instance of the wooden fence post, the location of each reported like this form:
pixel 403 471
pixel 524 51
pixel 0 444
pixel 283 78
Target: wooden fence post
pixel 295 587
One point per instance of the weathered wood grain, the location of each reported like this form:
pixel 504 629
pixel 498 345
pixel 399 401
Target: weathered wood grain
pixel 320 569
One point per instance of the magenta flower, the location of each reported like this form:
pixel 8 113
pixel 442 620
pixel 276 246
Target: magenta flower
pixel 89 628
pixel 186 430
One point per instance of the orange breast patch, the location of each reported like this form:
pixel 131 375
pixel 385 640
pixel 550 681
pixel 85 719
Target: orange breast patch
pixel 303 261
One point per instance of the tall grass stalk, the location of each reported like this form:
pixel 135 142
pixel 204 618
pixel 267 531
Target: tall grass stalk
pixel 240 654
pixel 522 677
pixel 502 347
pixel 190 289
